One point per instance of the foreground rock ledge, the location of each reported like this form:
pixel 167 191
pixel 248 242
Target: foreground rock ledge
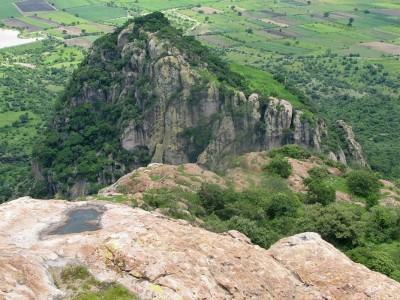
pixel 158 258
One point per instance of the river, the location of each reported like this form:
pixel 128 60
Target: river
pixel 9 38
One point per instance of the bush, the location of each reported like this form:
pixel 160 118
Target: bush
pixel 318 173
pixel 282 205
pixel 363 183
pixel 338 224
pixel 291 150
pixel 378 261
pixel 279 166
pixel 319 192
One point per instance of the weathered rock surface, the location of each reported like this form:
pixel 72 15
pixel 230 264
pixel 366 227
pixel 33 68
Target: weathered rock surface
pixel 158 258
pixel 354 148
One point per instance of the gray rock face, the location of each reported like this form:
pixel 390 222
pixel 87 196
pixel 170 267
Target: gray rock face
pixel 353 146
pixel 178 101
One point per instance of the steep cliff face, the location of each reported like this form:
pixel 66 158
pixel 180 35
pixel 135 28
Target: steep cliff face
pixel 189 107
pixel 162 97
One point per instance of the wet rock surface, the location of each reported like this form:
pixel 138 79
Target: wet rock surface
pixel 158 258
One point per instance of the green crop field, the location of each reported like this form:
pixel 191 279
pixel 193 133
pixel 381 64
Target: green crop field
pixel 97 13
pixel 62 17
pixel 8 9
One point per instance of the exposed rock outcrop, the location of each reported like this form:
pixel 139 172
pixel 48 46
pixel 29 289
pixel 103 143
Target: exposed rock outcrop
pixel 164 105
pixel 354 148
pixel 156 257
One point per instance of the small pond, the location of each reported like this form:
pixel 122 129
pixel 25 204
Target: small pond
pixel 9 38
pixel 80 220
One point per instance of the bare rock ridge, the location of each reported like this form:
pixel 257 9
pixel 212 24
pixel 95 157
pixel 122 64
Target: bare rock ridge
pixel 231 117
pixel 159 258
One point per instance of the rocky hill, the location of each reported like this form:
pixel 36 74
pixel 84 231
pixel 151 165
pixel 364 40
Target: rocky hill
pixel 158 258
pixel 147 93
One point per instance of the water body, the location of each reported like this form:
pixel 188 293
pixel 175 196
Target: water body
pixel 9 38
pixel 80 220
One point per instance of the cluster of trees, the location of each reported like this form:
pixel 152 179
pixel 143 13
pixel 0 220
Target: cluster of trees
pixel 30 84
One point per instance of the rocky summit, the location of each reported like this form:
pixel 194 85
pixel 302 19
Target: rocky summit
pixel 158 258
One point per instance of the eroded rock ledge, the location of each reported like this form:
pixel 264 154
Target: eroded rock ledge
pixel 158 258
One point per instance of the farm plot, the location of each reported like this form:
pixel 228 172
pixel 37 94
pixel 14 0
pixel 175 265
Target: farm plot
pixel 387 11
pixel 34 6
pixel 62 18
pixel 80 42
pixel 51 23
pixel 384 47
pixel 215 40
pixel 35 22
pixel 283 33
pixel 8 9
pixel 96 13
pixel 18 23
pixel 61 4
pixel 207 10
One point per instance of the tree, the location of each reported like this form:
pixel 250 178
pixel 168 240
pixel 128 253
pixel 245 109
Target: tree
pixel 326 14
pixel 319 192
pixel 363 183
pixel 282 205
pixel 279 166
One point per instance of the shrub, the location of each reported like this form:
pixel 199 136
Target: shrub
pixel 319 192
pixel 363 183
pixel 378 261
pixel 282 205
pixel 279 166
pixel 318 173
pixel 291 150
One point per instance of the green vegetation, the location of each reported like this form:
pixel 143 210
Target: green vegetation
pixel 279 166
pixel 31 80
pixel 363 183
pixel 83 286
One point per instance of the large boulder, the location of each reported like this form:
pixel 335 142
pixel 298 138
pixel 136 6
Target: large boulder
pixel 156 257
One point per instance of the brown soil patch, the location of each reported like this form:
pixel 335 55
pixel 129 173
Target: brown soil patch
pixel 207 10
pixel 105 28
pixel 271 13
pixel 300 172
pixel 384 47
pixel 343 15
pixel 283 34
pixel 387 11
pixel 70 30
pixel 11 22
pixel 389 202
pixel 80 42
pixel 285 21
pixel 52 23
pixel 216 41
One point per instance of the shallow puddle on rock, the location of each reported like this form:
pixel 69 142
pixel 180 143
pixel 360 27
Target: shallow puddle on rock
pixel 80 220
